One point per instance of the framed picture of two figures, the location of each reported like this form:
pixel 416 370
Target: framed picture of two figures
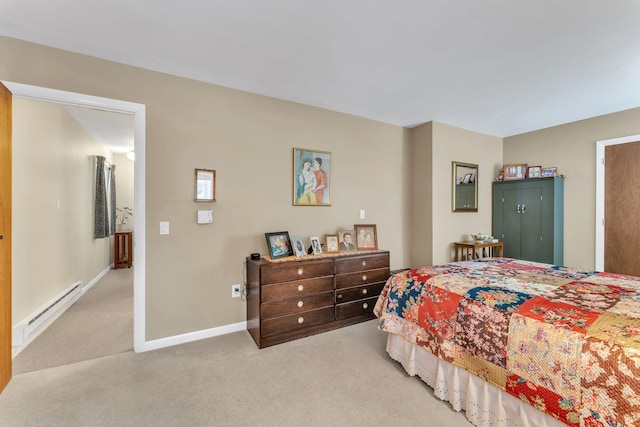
pixel 311 177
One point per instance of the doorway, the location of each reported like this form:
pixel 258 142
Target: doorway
pixel 623 154
pixel 138 111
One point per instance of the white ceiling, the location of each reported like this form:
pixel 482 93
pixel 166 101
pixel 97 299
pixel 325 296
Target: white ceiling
pixel 114 130
pixel 500 67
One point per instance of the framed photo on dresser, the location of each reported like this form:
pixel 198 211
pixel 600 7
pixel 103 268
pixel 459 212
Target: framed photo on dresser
pixel 366 237
pixel 331 243
pixel 298 246
pixel 279 244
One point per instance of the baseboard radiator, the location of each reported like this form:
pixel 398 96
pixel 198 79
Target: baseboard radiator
pixel 27 330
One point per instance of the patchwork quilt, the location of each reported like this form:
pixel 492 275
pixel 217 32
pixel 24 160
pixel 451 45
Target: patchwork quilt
pixel 566 341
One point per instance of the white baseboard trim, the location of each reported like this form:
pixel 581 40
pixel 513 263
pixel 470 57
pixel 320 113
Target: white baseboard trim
pixel 194 336
pixel 37 322
pixel 20 342
pixel 96 279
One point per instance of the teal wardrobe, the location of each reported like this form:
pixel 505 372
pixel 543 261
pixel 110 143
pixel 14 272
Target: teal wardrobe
pixel 528 218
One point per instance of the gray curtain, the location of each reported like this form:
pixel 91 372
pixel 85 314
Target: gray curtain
pixel 101 228
pixel 112 201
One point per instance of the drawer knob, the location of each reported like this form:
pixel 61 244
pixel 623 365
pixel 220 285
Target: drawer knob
pixel 364 277
pixel 339 296
pixel 300 304
pixel 301 288
pixel 364 263
pixel 300 271
pixel 300 319
pixel 364 292
pixel 365 305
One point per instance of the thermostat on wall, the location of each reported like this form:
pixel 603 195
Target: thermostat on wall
pixel 205 217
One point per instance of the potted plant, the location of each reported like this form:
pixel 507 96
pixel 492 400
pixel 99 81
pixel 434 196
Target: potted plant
pixel 122 216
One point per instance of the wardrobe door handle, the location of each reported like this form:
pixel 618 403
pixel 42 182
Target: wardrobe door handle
pixel 523 206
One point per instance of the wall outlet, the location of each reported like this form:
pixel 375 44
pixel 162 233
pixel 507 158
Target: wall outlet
pixel 235 291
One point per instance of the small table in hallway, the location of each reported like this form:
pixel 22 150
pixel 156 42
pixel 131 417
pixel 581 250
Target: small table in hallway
pixel 474 250
pixel 123 249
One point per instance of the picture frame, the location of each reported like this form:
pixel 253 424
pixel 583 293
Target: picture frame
pixel 298 246
pixel 279 244
pixel 331 243
pixel 366 237
pixel 205 185
pixel 467 178
pixel 548 172
pixel 347 240
pixel 515 171
pixel 315 245
pixel 311 177
pixel 534 171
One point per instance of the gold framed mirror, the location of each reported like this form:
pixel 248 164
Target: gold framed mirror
pixel 205 185
pixel 464 187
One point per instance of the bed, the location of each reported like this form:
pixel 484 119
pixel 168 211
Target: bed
pixel 519 343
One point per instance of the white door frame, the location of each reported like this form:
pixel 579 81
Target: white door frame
pixel 139 123
pixel 600 148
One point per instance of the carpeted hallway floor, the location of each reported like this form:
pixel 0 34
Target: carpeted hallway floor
pixel 99 324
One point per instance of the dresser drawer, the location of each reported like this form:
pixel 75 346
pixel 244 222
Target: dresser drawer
pixel 360 292
pixel 297 288
pixel 295 305
pixel 360 263
pixel 287 271
pixel 296 321
pixel 355 308
pixel 362 278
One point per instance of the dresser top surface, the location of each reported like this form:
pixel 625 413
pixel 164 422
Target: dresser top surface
pixel 326 255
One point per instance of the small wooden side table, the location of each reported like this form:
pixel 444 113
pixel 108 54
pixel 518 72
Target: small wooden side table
pixel 123 249
pixel 474 250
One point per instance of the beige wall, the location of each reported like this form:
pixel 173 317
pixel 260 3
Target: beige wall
pixel 248 140
pixel 572 148
pixel 434 226
pixel 53 160
pixel 124 186
pixel 421 167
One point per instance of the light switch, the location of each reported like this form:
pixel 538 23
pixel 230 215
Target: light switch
pixel 164 227
pixel 361 213
pixel 205 217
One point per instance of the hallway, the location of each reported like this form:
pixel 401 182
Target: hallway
pixel 99 324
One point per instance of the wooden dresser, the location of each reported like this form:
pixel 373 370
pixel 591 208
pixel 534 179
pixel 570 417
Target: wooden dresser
pixel 292 297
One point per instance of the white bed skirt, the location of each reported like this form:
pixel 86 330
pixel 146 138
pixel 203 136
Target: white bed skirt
pixel 485 404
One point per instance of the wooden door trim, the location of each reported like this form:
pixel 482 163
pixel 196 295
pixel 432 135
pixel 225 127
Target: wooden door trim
pixel 599 225
pixel 6 320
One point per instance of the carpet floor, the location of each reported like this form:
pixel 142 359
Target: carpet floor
pixel 339 378
pixel 99 324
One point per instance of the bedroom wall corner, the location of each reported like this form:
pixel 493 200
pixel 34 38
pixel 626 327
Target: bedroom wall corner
pixel 455 144
pixel 571 147
pixel 421 195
